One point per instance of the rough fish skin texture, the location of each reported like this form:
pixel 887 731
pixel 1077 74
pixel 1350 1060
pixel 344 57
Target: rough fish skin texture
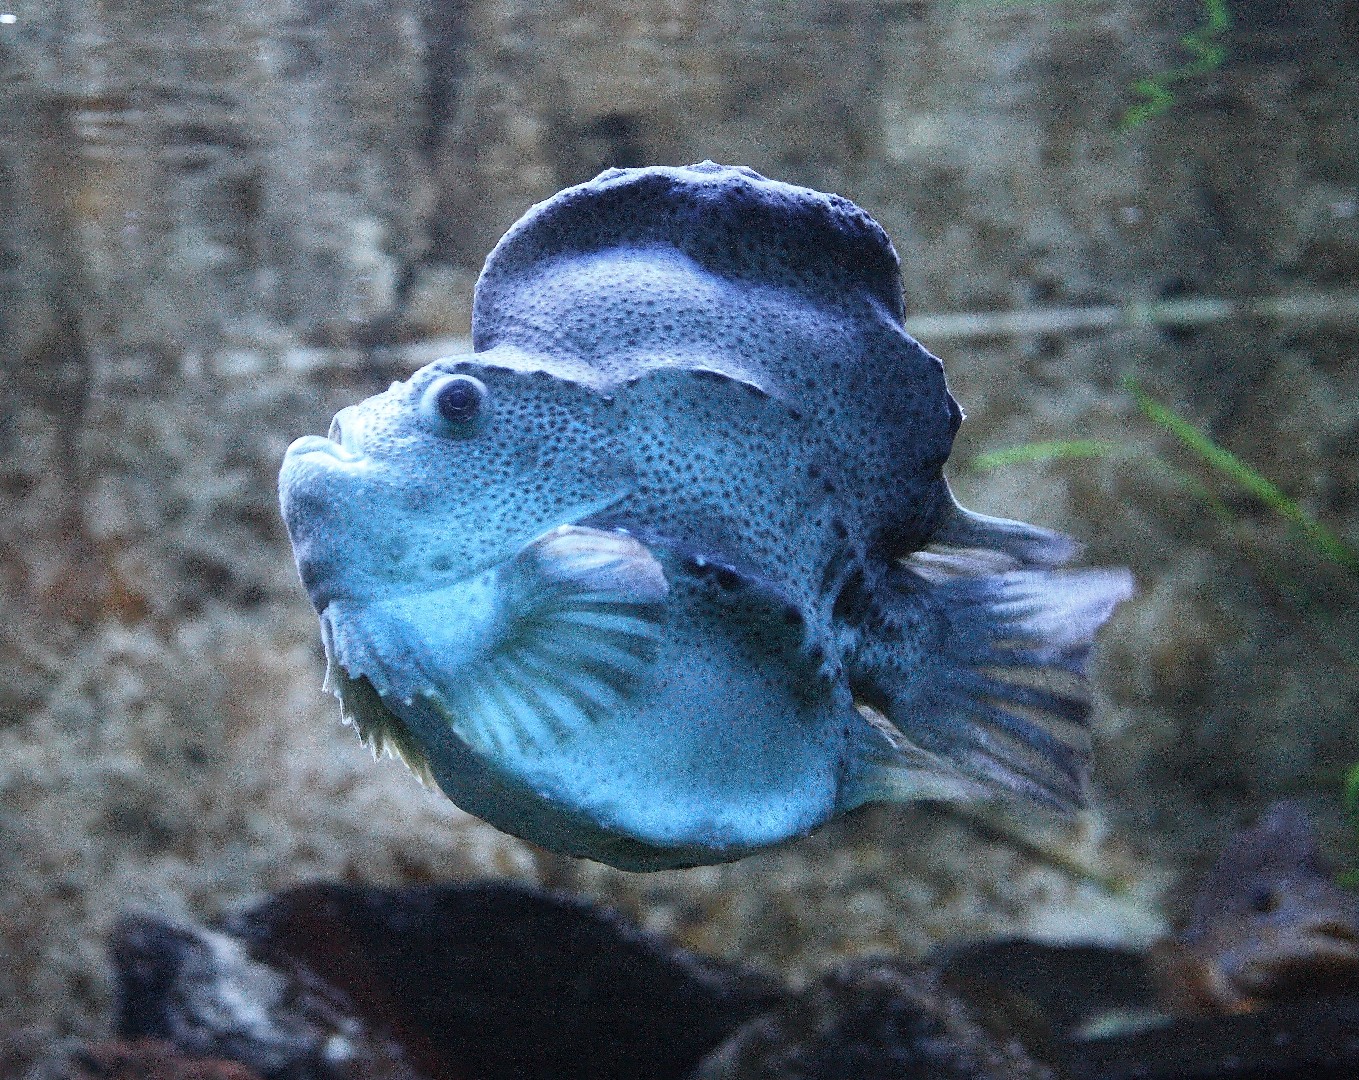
pixel 666 571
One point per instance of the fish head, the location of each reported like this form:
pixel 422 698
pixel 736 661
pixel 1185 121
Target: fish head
pixel 445 474
pixel 1269 918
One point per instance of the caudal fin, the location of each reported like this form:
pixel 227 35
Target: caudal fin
pixel 976 656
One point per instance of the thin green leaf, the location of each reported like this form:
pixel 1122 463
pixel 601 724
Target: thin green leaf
pixel 1045 451
pixel 1248 479
pixel 1208 56
pixel 1352 790
pixel 1077 449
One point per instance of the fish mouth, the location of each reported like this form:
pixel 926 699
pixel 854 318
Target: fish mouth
pixel 330 446
pixel 1333 939
pixel 1320 951
pixel 339 443
pixel 340 435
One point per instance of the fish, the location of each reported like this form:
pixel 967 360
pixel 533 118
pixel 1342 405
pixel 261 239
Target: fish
pixel 666 571
pixel 1267 924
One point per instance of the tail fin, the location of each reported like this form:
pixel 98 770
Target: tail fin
pixel 977 657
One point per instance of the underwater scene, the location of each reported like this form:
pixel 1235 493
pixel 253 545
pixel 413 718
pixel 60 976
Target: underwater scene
pixel 676 540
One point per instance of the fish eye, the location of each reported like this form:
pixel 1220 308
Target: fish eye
pixel 453 400
pixel 1264 901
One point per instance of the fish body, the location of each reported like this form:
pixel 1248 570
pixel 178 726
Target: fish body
pixel 666 570
pixel 1268 924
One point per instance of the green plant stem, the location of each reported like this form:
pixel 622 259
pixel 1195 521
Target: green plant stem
pixel 1248 479
pixel 1350 878
pixel 1044 451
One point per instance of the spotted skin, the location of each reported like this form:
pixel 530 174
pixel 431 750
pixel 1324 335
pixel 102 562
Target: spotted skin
pixel 666 571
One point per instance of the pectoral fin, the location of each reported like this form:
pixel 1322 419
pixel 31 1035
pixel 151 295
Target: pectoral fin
pixel 515 660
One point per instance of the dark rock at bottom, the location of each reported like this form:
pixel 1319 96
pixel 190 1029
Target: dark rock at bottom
pixel 473 982
pixel 494 981
pixel 153 1059
pixel 874 1021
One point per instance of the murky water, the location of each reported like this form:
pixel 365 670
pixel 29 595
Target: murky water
pixel 1129 229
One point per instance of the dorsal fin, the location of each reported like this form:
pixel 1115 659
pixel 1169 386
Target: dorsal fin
pixel 729 220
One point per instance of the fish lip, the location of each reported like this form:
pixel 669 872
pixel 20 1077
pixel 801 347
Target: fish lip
pixel 1335 933
pixel 316 444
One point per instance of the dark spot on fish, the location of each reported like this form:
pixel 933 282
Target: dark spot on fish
pixel 852 604
pixel 726 577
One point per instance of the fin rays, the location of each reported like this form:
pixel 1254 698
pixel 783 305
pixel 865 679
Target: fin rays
pixel 552 684
pixel 560 637
pixel 998 687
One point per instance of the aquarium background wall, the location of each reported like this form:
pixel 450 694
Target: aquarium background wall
pixel 223 221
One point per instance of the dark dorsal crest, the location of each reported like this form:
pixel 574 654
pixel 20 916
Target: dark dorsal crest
pixel 729 220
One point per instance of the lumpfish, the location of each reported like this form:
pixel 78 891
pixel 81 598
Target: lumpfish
pixel 1268 923
pixel 666 570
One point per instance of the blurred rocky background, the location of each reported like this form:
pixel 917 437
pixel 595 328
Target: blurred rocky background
pixel 225 219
